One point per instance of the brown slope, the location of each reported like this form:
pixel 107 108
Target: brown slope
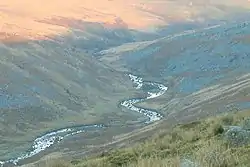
pixel 21 20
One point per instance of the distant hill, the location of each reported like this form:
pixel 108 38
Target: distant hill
pixel 46 19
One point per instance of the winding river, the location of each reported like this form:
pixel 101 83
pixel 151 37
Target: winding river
pixel 47 140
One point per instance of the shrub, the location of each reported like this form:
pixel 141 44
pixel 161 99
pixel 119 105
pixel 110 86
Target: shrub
pixel 228 120
pixel 121 158
pixel 218 129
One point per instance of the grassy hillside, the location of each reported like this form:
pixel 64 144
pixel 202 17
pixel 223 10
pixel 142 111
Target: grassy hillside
pixel 49 78
pixel 201 55
pixel 206 70
pixel 47 85
pixel 57 17
pixel 221 141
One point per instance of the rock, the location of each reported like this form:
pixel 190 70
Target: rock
pixel 246 124
pixel 187 163
pixel 237 136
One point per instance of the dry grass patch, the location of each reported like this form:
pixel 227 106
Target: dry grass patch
pixel 200 143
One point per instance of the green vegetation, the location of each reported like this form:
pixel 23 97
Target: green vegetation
pixel 200 143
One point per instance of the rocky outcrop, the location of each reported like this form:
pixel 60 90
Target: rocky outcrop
pixel 238 135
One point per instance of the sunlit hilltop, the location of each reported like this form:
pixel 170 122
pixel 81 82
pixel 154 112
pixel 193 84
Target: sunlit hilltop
pixel 37 19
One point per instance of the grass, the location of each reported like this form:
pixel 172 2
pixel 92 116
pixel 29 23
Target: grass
pixel 46 87
pixel 198 142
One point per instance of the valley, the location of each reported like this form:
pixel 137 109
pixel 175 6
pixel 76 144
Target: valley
pixel 71 72
pixel 47 140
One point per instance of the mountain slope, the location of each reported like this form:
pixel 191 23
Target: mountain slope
pixel 202 68
pixel 215 141
pixel 57 17
pixel 46 85
pixel 53 77
pixel 197 58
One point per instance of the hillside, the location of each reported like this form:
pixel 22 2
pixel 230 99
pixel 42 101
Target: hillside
pixel 214 141
pixel 65 64
pixel 47 19
pixel 45 87
pixel 206 69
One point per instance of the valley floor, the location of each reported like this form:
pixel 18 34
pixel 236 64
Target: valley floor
pixel 215 141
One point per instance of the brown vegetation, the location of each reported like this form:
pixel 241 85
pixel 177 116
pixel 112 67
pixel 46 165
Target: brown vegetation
pixel 201 143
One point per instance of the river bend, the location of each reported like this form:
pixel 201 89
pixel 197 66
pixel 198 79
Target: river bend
pixel 47 140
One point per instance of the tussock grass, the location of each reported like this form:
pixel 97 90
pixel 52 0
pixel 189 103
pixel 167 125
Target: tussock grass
pixel 199 143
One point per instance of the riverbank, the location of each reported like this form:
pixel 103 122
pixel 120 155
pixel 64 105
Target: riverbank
pixel 49 139
pixel 214 141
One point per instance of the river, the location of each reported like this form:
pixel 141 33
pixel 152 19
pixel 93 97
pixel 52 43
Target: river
pixel 47 140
